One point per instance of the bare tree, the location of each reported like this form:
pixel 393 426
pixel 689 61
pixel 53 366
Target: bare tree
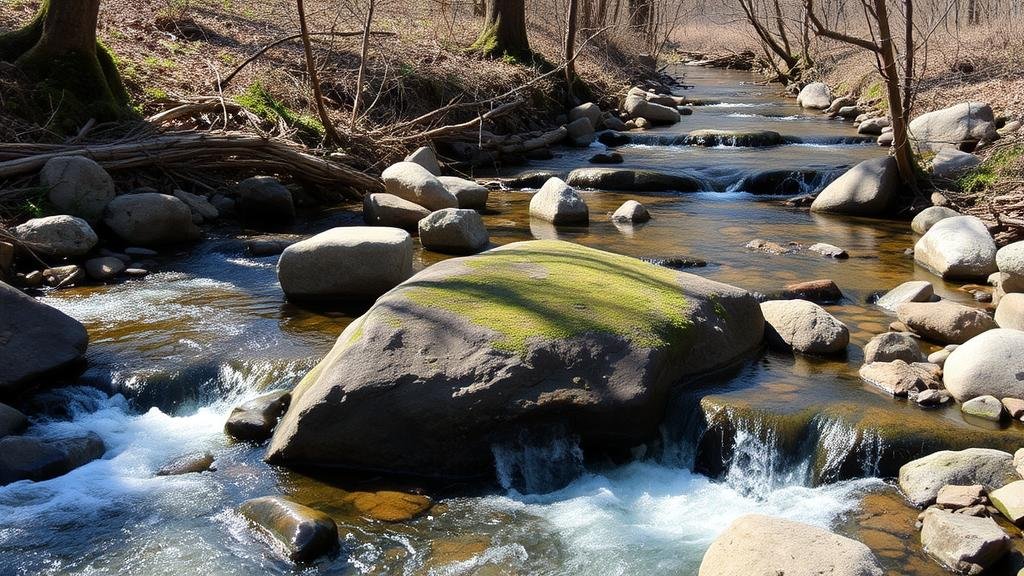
pixel 314 80
pixel 362 64
pixel 570 48
pixel 504 32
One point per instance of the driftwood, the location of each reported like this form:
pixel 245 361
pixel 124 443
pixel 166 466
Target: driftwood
pixel 191 151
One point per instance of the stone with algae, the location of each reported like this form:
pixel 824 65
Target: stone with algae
pixel 530 334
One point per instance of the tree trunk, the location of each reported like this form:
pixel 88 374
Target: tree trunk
pixel 570 48
pixel 640 15
pixel 901 142
pixel 504 32
pixel 58 49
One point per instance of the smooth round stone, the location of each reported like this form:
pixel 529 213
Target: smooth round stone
pixel 453 231
pixel 558 203
pixel 987 407
pixel 61 236
pixel 988 364
pixel 1010 311
pixel 959 247
pixel 930 216
pixel 631 211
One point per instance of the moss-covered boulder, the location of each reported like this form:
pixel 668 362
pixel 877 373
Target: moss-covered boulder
pixel 533 334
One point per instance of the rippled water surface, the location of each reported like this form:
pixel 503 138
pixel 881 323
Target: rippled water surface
pixel 171 354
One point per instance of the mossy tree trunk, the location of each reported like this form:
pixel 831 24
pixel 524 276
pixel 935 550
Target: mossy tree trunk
pixel 58 49
pixel 504 32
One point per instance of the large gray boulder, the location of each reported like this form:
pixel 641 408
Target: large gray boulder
pixel 383 209
pixel 35 340
pixel 866 189
pixel 534 334
pixel 959 126
pixel 950 162
pixel 944 322
pixel 558 203
pixel 957 248
pixel 453 231
pixel 150 219
pixel 912 291
pixel 304 533
pixel 264 202
pixel 1010 311
pixel 425 157
pixel 764 546
pixel 630 180
pixel 1010 261
pixel 59 236
pixel 921 479
pixel 893 346
pixel 965 544
pixel 358 262
pixel 588 110
pixel 580 132
pixel 805 327
pixel 467 192
pixel 77 186
pixel 929 217
pixel 989 364
pixel 37 459
pixel 815 95
pixel 638 107
pixel 411 181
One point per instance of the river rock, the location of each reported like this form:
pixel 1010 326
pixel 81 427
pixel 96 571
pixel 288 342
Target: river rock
pixel 193 463
pixel 388 505
pixel 804 327
pixel 921 479
pixel 746 138
pixel 965 544
pixel 989 364
pixel 638 107
pixel 359 262
pixel 198 204
pixel 815 95
pixel 873 126
pixel 263 201
pixel 468 193
pixel 104 268
pixel 1010 312
pixel 35 340
pixel 305 533
pixel 899 378
pixel 953 496
pixel 254 421
pixel 606 158
pixel 580 132
pixel 886 139
pixel 612 139
pixel 12 421
pixel 631 212
pixel 629 180
pixel 957 248
pixel 425 157
pixel 1009 500
pixel 77 186
pixel 64 276
pixel 60 236
pixel 867 189
pixel 893 346
pixel 944 321
pixel 928 217
pixel 588 110
pixel 761 545
pixel 829 250
pixel 518 338
pixel 986 407
pixel 821 291
pixel 383 209
pixel 150 219
pixel 950 162
pixel 453 231
pixel 414 183
pixel 558 203
pixel 1010 261
pixel 959 126
pixel 913 291
pixel 37 459
pixel 939 356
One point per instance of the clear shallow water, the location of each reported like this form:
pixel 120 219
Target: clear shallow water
pixel 180 348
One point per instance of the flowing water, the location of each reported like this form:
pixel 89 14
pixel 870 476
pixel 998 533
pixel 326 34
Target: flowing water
pixel 795 437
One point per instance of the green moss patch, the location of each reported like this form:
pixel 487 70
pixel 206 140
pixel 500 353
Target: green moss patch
pixel 557 290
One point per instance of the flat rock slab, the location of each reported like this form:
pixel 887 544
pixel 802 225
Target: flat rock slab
pixel 1009 500
pixel 966 544
pixel 944 322
pixel 389 506
pixel 921 479
pixel 913 291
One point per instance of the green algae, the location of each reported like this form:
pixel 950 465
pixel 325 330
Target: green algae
pixel 556 291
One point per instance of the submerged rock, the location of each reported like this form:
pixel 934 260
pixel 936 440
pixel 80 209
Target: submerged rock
pixel 930 216
pixel 944 321
pixel 921 479
pixel 77 186
pixel 37 459
pixel 383 209
pixel 453 231
pixel 989 364
pixel 304 533
pixel 958 127
pixel 35 340
pixel 963 543
pixel 254 421
pixel 629 180
pixel 523 337
pixel 631 211
pixel 959 247
pixel 59 236
pixel 820 291
pixel 389 506
pixel 761 545
pixel 358 262
pixel 193 463
pixel 805 327
pixel 867 189
pixel 829 250
pixel 558 203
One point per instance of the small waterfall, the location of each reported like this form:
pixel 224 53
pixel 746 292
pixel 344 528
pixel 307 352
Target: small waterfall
pixel 759 464
pixel 536 462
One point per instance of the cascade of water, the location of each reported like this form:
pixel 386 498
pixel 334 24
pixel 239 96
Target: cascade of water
pixel 537 462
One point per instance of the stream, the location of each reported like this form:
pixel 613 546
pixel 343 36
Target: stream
pixel 802 438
